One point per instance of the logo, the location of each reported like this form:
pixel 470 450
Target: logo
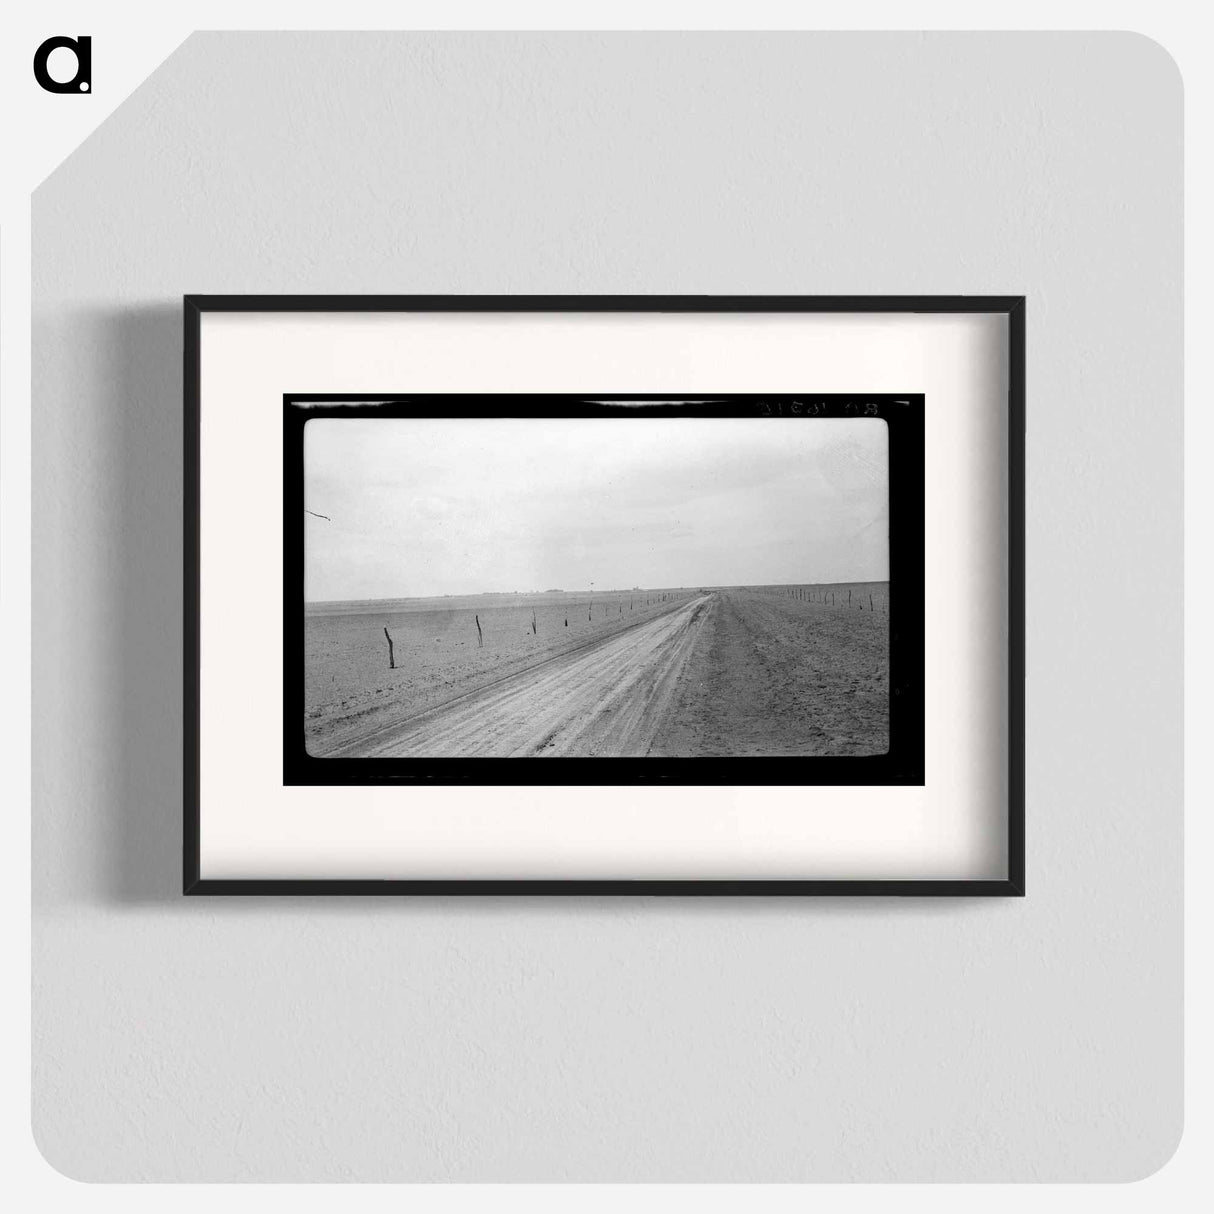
pixel 82 81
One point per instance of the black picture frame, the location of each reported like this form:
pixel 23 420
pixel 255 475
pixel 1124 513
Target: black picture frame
pixel 1011 307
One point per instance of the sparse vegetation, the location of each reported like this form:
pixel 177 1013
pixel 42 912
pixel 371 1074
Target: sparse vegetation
pixel 738 646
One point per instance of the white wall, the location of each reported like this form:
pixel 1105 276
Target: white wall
pixel 624 1039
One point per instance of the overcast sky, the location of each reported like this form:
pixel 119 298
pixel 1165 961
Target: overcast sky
pixel 424 507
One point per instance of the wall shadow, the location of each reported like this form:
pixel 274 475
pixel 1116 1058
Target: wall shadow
pixel 141 397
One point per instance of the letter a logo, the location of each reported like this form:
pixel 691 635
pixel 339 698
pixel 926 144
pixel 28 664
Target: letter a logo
pixel 82 81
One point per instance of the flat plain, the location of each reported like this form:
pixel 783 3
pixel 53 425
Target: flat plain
pixel 674 672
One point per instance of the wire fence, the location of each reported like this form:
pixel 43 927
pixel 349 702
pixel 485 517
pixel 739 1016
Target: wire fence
pixel 855 596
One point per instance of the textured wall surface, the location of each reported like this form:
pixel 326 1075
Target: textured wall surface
pixel 1037 1039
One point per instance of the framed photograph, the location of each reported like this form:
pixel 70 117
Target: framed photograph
pixel 604 595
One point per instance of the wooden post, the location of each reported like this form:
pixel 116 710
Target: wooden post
pixel 870 602
pixel 534 631
pixel 391 659
pixel 849 598
pixel 480 636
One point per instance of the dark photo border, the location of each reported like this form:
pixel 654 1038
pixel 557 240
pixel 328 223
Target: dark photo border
pixel 902 763
pixel 1010 307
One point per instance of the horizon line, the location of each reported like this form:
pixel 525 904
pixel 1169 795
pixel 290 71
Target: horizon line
pixel 472 594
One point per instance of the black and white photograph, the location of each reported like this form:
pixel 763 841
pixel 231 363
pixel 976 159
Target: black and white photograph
pixel 600 579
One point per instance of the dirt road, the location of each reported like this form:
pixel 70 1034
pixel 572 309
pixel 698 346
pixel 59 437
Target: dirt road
pixel 607 698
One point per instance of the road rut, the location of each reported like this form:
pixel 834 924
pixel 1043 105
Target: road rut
pixel 608 700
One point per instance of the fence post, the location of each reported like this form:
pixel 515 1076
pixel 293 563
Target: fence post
pixel 391 659
pixel 480 636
